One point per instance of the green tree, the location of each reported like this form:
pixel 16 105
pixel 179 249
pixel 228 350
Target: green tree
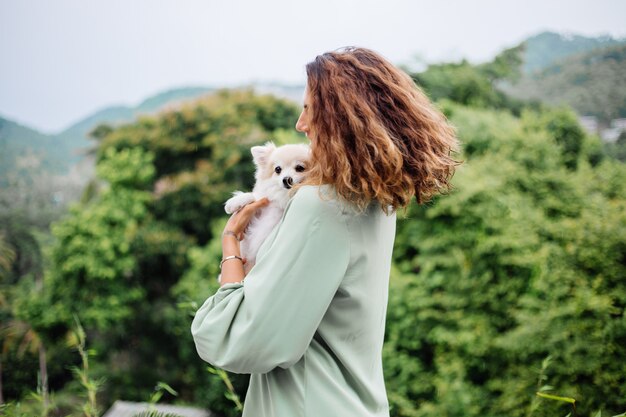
pixel 475 85
pixel 21 267
pixel 520 262
pixel 93 258
pixel 122 255
pixel 562 124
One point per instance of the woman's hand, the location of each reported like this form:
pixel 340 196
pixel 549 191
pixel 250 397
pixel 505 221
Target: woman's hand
pixel 233 270
pixel 238 222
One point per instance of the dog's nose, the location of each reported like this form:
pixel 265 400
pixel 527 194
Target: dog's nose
pixel 288 182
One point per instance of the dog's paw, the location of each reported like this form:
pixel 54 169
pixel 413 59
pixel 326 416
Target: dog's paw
pixel 237 201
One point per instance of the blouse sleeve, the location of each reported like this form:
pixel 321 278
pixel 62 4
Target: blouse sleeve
pixel 270 319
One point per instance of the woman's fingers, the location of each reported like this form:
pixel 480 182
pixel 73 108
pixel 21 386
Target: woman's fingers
pixel 249 209
pixel 247 214
pixel 240 219
pixel 255 205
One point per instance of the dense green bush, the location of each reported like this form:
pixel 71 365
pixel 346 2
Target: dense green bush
pixel 524 260
pixel 121 254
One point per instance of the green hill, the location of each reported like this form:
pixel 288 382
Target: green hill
pixel 157 102
pixel 23 148
pixel 546 48
pixel 59 152
pixel 76 136
pixel 593 83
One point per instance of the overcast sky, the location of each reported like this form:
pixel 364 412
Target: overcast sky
pixel 62 60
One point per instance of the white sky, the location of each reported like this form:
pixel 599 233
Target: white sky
pixel 62 60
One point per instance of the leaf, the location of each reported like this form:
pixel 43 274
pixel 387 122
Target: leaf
pixel 154 398
pixel 556 397
pixel 166 387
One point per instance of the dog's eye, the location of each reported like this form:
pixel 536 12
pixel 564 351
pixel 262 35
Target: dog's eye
pixel 299 168
pixel 278 170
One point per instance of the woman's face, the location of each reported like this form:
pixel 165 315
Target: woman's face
pixel 302 125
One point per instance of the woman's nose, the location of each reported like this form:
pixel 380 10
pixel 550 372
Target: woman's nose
pixel 301 125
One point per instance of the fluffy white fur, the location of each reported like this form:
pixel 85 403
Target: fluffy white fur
pixel 277 169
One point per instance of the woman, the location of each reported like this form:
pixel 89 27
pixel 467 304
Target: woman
pixel 308 320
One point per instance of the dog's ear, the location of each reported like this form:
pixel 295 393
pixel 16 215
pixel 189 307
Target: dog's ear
pixel 261 154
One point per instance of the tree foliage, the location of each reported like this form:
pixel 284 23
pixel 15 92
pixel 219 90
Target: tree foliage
pixel 524 260
pixel 123 260
pixel 472 85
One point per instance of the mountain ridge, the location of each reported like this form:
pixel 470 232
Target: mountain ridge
pixel 546 48
pixel 59 151
pixel 592 82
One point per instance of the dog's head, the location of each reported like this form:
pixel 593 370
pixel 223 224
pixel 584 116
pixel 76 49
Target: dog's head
pixel 278 169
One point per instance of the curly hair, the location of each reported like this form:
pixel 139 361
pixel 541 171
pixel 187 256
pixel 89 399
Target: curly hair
pixel 394 143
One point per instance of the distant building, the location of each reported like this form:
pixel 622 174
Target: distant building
pixel 130 409
pixel 618 124
pixel 612 133
pixel 589 123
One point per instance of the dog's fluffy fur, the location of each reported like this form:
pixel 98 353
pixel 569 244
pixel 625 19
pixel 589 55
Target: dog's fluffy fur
pixel 277 170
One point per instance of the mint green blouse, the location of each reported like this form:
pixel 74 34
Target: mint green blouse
pixel 309 319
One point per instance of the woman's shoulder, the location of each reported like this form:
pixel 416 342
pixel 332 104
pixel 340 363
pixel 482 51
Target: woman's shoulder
pixel 316 199
pixel 324 198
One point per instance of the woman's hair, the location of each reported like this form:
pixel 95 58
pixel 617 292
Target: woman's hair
pixel 375 134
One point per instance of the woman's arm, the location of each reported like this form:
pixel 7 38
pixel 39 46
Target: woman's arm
pixel 232 263
pixel 269 320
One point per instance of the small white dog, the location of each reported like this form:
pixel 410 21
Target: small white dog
pixel 277 170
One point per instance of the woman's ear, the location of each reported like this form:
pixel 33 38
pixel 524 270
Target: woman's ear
pixel 261 154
